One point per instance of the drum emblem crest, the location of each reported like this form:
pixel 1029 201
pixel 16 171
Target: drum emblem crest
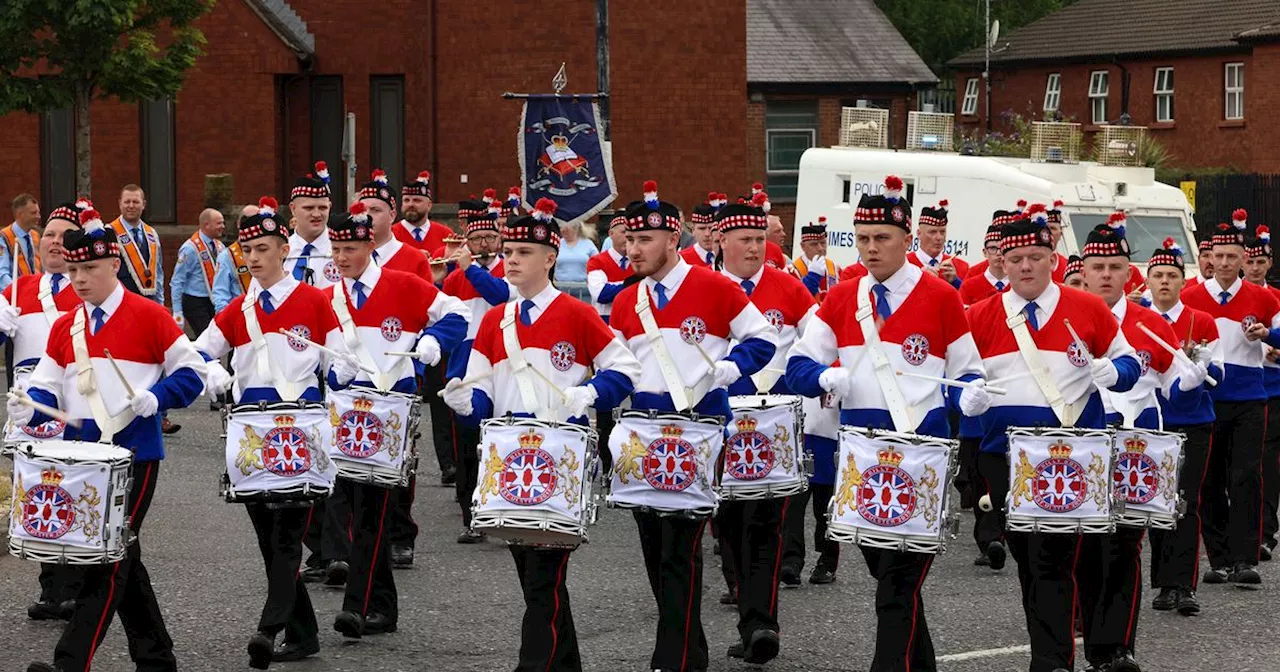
pixel 1248 321
pixel 563 355
pixel 915 349
pixel 1076 355
pixel 303 331
pixel 47 430
pixel 529 473
pixel 887 496
pixel 1060 484
pixel 693 330
pixel 749 454
pixel 1137 476
pixel 1144 358
pixel 285 449
pixel 359 433
pixel 670 462
pixel 48 512
pixel 331 272
pixel 391 329
pixel 775 318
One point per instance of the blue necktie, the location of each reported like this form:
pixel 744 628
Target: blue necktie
pixel 375 257
pixel 143 249
pixel 1166 317
pixel 623 264
pixel 31 255
pixel 999 285
pixel 265 299
pixel 882 302
pixel 662 295
pixel 526 312
pixel 300 268
pixel 710 258
pixel 748 287
pixel 933 262
pixel 417 234
pixel 55 282
pixel 1030 310
pixel 1225 297
pixel 359 290
pixel 99 319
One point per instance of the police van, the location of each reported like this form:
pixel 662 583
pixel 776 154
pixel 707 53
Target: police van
pixel 832 180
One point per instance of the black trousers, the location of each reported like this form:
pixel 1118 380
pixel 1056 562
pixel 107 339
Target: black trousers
pixel 433 381
pixel 902 634
pixel 972 487
pixel 468 441
pixel 288 607
pixel 1175 554
pixel 1109 586
pixel 330 531
pixel 1271 475
pixel 1231 505
pixel 198 312
pixel 402 529
pixel 1046 572
pixel 993 480
pixel 371 588
pixel 123 589
pixel 793 544
pixel 548 640
pixel 751 532
pixel 59 583
pixel 673 561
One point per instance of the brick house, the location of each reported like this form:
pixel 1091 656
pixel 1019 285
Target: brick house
pixel 1200 75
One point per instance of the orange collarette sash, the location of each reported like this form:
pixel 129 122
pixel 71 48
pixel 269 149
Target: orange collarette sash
pixel 206 260
pixel 144 275
pixel 24 265
pixel 242 269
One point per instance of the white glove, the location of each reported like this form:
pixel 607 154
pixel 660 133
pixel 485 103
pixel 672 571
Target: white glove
pixel 1104 373
pixel 19 414
pixel 217 380
pixel 838 381
pixel 1191 377
pixel 724 374
pixel 345 368
pixel 975 400
pixel 817 265
pixel 144 404
pixel 1204 356
pixel 428 350
pixel 9 320
pixel 579 399
pixel 458 397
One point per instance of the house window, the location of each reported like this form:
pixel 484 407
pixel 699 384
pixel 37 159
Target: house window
pixel 1099 86
pixel 386 117
pixel 790 127
pixel 57 157
pixel 1235 91
pixel 970 106
pixel 1052 92
pixel 1164 94
pixel 159 178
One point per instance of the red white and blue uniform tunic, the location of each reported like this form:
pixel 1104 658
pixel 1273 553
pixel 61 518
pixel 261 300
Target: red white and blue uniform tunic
pixel 983 285
pixel 397 256
pixel 1235 309
pixel 150 350
pixel 605 274
pixel 787 305
pixel 701 308
pixel 921 259
pixel 426 238
pixel 479 288
pixel 1270 369
pixel 1191 325
pixel 33 325
pixel 1025 404
pixel 694 255
pixel 1140 403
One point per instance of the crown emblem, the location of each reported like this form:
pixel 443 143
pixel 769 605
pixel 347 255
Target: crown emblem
pixel 1135 445
pixel 284 420
pixel 51 477
pixel 890 457
pixel 364 404
pixel 747 424
pixel 1059 450
pixel 672 431
pixel 531 439
pixel 559 142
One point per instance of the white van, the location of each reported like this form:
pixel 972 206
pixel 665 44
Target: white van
pixel 833 179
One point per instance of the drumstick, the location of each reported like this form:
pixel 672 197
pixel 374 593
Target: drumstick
pixel 1177 353
pixel 50 411
pixel 950 382
pixel 468 382
pixel 550 383
pixel 1079 341
pixel 705 357
pixel 127 387
pixel 400 354
pixel 328 351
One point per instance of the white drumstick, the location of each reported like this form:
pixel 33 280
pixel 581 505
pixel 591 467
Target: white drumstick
pixel 550 383
pixel 127 387
pixel 469 382
pixel 328 351
pixel 1177 353
pixel 50 411
pixel 705 357
pixel 400 354
pixel 950 382
pixel 1079 341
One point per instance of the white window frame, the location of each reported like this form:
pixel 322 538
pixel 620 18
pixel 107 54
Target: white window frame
pixel 1163 91
pixel 970 107
pixel 1233 92
pixel 1099 89
pixel 1053 92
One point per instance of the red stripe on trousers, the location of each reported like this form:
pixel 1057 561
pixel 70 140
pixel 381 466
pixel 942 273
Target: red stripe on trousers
pixel 555 615
pixel 1195 563
pixel 1132 626
pixel 688 609
pixel 305 527
pixel 377 544
pixel 777 562
pixel 1075 591
pixel 915 611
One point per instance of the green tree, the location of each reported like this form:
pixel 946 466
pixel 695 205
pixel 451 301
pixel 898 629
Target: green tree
pixel 59 53
pixel 940 30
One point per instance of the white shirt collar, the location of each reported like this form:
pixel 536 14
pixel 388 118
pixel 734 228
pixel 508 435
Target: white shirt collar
pixel 674 278
pixel 410 227
pixel 369 279
pixel 755 279
pixel 110 305
pixel 1215 290
pixel 617 258
pixel 898 283
pixel 924 258
pixel 702 253
pixel 1174 313
pixel 279 292
pixel 319 245
pixel 387 251
pixel 993 279
pixel 1120 309
pixel 541 301
pixel 1047 302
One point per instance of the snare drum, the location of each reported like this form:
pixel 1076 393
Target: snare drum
pixel 69 502
pixel 893 490
pixel 277 451
pixel 51 430
pixel 1146 478
pixel 537 482
pixel 665 462
pixel 371 439
pixel 764 456
pixel 1060 480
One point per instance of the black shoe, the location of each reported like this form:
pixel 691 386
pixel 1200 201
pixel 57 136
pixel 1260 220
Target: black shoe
pixel 335 574
pixel 1216 575
pixel 1166 600
pixel 1187 605
pixel 45 610
pixel 1264 553
pixel 289 652
pixel 68 609
pixel 167 427
pixel 350 624
pixel 982 560
pixel 996 554
pixel 736 650
pixel 41 667
pixel 762 648
pixel 401 557
pixel 378 624
pixel 821 576
pixel 261 647
pixel 215 405
pixel 790 576
pixel 1245 576
pixel 728 597
pixel 1124 662
pixel 471 537
pixel 448 476
pixel 314 574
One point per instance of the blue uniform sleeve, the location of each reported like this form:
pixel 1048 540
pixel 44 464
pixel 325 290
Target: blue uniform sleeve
pixel 1129 369
pixel 178 389
pixel 481 408
pixel 448 331
pixel 813 281
pixel 802 376
pixel 952 393
pixel 609 291
pixel 494 290
pixel 458 359
pixel 611 389
pixel 752 355
pixel 43 397
pixel 1273 338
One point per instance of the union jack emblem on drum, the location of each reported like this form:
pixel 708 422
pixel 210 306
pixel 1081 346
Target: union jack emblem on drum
pixel 563 355
pixel 360 432
pixel 391 329
pixel 1076 355
pixel 1059 485
pixel 331 272
pixel 775 318
pixel 1144 358
pixel 303 331
pixel 693 330
pixel 915 349
pixel 670 462
pixel 528 476
pixel 749 454
pixel 46 430
pixel 887 497
pixel 1137 476
pixel 48 511
pixel 285 451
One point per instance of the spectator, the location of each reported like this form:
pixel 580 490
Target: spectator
pixel 571 263
pixel 23 235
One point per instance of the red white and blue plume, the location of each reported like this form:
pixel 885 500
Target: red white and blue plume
pixel 761 200
pixel 83 203
pixel 1172 246
pixel 359 213
pixel 267 206
pixel 424 178
pixel 1039 214
pixel 1240 219
pixel 893 188
pixel 380 176
pixel 1263 233
pixel 489 196
pixel 513 197
pixel 1022 205
pixel 1117 222
pixel 717 199
pixel 651 194
pixel 91 222
pixel 756 188
pixel 322 171
pixel 544 210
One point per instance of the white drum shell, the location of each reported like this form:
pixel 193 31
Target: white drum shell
pixel 371 435
pixel 261 462
pixel 1060 480
pixel 764 456
pixel 676 451
pixel 1147 471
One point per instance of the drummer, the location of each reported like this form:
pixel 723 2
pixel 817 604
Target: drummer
pixel 1256 268
pixel 1036 303
pixel 165 372
pixel 279 302
pixel 1073 277
pixel 751 530
pixel 698 312
pixel 818 273
pixel 607 272
pixel 310 260
pixel 547 316
pixel 993 279
pixel 914 312
pixel 380 305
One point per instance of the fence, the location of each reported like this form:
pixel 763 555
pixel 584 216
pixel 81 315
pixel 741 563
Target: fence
pixel 1216 196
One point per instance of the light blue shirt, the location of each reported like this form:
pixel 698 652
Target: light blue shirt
pixel 226 282
pixel 133 229
pixel 188 272
pixel 21 237
pixel 571 263
pixel 608 244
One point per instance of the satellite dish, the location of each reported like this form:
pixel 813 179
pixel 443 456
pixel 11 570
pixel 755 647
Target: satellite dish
pixel 994 34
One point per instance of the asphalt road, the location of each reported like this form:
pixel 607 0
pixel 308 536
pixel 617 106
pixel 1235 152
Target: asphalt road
pixel 460 605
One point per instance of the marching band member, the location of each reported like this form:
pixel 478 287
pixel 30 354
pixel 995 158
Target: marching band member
pixel 909 305
pixel 608 271
pixel 821 435
pixel 1231 502
pixel 164 371
pixel 286 372
pixel 751 531
pixel 376 306
pixel 1176 554
pixel 818 273
pixel 692 309
pixel 309 246
pixel 1073 276
pixel 1204 261
pixel 1055 230
pixel 231 278
pixel 1027 324
pixel 1256 267
pixel 993 279
pixel 191 290
pixel 703 250
pixel 416 228
pixel 931 233
pixel 547 318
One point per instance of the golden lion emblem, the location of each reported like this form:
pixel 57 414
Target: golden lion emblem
pixel 88 518
pixel 493 467
pixel 249 459
pixel 568 481
pixel 1020 488
pixel 628 465
pixel 1097 478
pixel 850 481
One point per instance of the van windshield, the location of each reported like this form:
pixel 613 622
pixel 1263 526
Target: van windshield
pixel 1145 233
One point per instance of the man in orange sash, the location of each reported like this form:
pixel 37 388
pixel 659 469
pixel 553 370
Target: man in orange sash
pixel 191 289
pixel 140 269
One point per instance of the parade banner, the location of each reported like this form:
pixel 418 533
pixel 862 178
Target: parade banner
pixel 562 157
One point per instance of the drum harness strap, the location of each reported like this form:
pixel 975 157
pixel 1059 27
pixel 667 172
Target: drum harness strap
pixel 905 418
pixel 87 382
pixel 289 390
pixel 519 365
pixel 381 380
pixel 680 393
pixel 1067 414
pixel 51 313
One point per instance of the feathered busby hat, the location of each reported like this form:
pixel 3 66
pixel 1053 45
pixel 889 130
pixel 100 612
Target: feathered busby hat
pixel 538 227
pixel 92 241
pixel 312 185
pixel 266 223
pixel 888 207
